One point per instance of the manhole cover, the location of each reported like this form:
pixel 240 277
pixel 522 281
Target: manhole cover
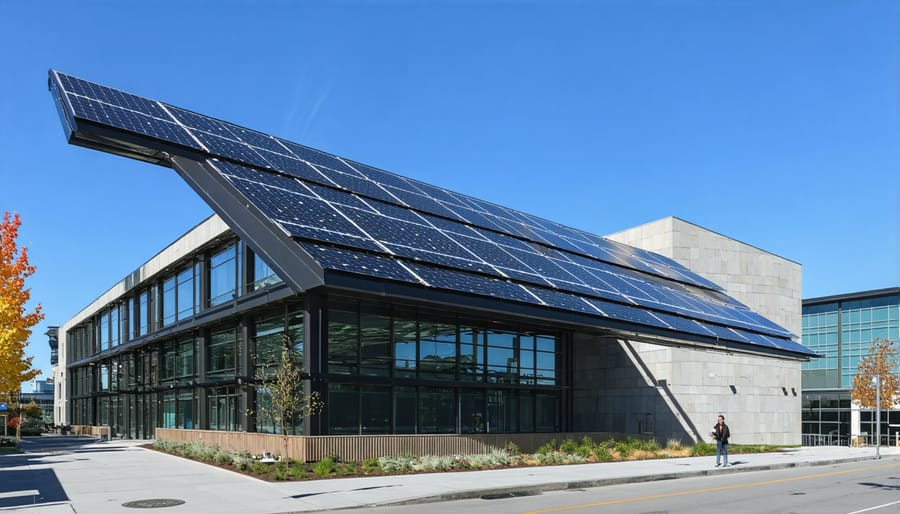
pixel 154 503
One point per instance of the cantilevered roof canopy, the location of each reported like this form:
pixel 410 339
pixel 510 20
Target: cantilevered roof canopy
pixel 322 220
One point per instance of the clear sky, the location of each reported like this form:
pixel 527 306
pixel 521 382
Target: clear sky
pixel 772 122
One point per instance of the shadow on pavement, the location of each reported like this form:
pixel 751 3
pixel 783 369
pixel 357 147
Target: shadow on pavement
pixel 54 443
pixel 19 487
pixel 883 487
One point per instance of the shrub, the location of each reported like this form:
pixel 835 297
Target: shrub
pixel 573 458
pixel 674 445
pixel 568 446
pixel 624 448
pixel 396 464
pixel 297 470
pixel 549 458
pixel 243 462
pixel 349 468
pixel 512 448
pixel 222 457
pixel 547 448
pixel 260 468
pixel 370 466
pixel 434 463
pixel 703 448
pixel 495 458
pixel 281 471
pixel 601 454
pixel 325 467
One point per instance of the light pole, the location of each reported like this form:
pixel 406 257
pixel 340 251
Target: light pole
pixel 876 381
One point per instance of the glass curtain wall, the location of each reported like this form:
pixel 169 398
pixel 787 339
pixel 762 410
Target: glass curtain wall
pixel 275 330
pixel 413 373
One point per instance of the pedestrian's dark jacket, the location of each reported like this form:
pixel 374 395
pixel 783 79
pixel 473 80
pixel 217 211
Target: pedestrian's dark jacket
pixel 721 433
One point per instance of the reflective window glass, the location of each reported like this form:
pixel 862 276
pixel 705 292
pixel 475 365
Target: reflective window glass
pixel 343 409
pixel 185 293
pixel 168 301
pixel 221 353
pixel 263 275
pixel 375 345
pixel 404 338
pixel 437 351
pixel 223 268
pixel 343 342
pixel 471 354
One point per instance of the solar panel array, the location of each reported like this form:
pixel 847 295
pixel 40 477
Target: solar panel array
pixel 357 219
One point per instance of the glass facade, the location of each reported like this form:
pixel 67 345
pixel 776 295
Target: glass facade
pixel 167 355
pixel 841 330
pixel 437 375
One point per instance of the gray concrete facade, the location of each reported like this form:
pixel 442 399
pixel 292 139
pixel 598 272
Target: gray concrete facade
pixel 678 392
pixel 674 393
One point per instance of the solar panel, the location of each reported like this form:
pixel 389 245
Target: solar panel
pixel 357 219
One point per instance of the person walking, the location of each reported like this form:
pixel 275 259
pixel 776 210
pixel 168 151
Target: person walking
pixel 721 434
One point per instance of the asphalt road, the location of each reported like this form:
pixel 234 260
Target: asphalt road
pixel 870 487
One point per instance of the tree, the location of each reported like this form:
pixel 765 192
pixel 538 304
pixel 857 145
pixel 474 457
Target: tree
pixel 15 322
pixel 880 363
pixel 282 381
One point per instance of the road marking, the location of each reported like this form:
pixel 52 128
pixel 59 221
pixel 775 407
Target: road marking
pixel 24 492
pixel 875 507
pixel 709 490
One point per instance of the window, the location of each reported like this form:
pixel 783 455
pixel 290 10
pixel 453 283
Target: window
pixel 263 275
pixel 437 351
pixel 405 360
pixel 343 409
pixel 187 301
pixel 471 410
pixel 184 365
pixel 375 410
pixel 343 342
pixel 502 364
pixel 104 331
pixel 222 408
pixel 375 345
pixel 104 377
pixel 132 313
pixel 222 353
pixel 269 334
pixel 169 356
pixel 437 410
pixel 114 327
pixel 168 301
pixel 223 273
pixel 471 354
pixel 405 410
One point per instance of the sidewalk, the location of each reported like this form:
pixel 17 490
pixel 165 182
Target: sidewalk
pixel 90 477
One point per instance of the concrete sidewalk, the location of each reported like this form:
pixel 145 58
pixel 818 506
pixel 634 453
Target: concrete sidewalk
pixel 90 477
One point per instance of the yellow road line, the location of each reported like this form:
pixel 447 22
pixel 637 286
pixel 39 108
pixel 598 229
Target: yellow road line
pixel 708 490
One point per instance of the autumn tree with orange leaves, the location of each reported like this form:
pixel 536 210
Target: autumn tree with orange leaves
pixel 15 322
pixel 878 363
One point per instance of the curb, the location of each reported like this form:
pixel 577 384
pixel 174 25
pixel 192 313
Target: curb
pixel 529 490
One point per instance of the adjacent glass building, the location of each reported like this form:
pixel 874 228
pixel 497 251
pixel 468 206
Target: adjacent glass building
pixel 841 329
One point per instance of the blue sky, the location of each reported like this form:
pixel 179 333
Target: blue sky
pixel 775 123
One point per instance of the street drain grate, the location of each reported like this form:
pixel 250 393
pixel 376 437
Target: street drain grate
pixel 154 503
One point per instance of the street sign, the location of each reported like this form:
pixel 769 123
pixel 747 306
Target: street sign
pixel 3 407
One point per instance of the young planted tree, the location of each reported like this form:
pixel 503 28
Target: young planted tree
pixel 15 321
pixel 279 374
pixel 880 363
